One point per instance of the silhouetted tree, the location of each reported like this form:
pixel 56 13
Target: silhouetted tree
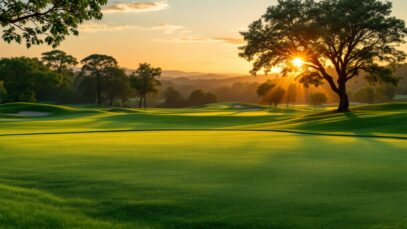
pixel 144 81
pixel 49 21
pixel 173 98
pixel 210 98
pixel 276 97
pixel 352 36
pixel 264 91
pixel 199 97
pixel 117 85
pixel 317 99
pixel 196 98
pixel 98 66
pixel 291 94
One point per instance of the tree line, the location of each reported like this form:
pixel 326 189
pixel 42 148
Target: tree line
pixel 53 79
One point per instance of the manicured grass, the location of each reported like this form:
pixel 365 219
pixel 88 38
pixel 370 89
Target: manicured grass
pixel 373 120
pixel 203 178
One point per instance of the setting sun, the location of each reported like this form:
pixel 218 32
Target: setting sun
pixel 298 62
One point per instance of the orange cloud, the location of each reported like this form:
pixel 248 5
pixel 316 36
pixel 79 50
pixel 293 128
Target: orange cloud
pixel 136 7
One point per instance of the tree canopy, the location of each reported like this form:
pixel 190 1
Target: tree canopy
pixel 144 81
pixel 27 80
pixel 337 40
pixel 318 98
pixel 98 66
pixel 59 61
pixel 45 21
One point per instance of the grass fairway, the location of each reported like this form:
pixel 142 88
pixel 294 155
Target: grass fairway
pixel 225 167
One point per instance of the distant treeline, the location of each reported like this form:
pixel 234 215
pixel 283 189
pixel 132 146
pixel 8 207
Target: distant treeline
pixel 55 79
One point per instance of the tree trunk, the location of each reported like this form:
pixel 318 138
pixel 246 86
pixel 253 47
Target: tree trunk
pixel 140 101
pixel 145 102
pixel 111 101
pixel 343 99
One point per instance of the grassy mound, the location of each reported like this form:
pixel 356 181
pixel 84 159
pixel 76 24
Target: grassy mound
pixel 15 108
pixel 388 119
pixel 232 106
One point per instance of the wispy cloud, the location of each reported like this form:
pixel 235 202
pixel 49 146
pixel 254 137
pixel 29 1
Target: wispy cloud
pixel 202 39
pixel 135 7
pixel 167 28
pixel 93 27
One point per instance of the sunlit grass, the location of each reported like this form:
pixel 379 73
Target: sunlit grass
pixel 192 173
pixel 196 179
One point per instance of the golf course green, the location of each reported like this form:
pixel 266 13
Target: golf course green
pixel 228 165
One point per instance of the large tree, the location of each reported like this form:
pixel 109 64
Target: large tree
pixel 144 81
pixel 98 66
pixel 331 41
pixel 49 21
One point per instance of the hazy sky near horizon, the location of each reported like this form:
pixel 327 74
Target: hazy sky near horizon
pixel 186 35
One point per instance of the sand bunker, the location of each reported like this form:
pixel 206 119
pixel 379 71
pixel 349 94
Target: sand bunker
pixel 31 114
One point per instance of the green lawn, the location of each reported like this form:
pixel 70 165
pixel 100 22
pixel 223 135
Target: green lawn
pixel 222 166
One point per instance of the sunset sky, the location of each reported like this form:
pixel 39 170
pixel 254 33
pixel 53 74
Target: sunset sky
pixel 186 35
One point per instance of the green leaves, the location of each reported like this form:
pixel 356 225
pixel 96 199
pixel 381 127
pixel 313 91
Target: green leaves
pixel 59 61
pixel 45 21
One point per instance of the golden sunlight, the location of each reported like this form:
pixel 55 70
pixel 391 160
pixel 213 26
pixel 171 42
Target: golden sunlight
pixel 298 62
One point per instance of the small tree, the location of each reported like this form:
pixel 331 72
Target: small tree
pixel 98 66
pixel 47 21
pixel 196 98
pixel 264 90
pixel 173 98
pixel 210 98
pixel 144 81
pixel 199 97
pixel 317 99
pixel 276 97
